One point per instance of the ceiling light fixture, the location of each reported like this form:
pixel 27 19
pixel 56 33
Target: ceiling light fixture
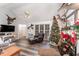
pixel 27 14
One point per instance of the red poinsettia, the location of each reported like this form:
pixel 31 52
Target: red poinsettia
pixel 69 41
pixel 68 37
pixel 73 40
pixel 65 36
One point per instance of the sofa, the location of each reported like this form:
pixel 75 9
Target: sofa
pixel 38 38
pixel 5 42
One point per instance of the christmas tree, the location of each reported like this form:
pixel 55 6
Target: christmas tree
pixel 55 36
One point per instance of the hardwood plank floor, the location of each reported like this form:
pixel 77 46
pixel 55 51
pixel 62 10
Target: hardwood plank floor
pixel 30 50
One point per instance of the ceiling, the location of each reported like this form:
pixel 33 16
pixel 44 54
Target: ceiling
pixel 39 11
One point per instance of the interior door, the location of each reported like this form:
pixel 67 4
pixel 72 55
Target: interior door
pixel 22 30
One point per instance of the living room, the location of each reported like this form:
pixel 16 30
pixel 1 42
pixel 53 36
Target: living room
pixel 27 29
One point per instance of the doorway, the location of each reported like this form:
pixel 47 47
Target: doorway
pixel 22 30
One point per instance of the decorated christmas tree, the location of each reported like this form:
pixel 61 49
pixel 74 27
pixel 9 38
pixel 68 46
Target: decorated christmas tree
pixel 55 36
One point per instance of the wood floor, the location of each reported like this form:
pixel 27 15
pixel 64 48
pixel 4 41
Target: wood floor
pixel 30 50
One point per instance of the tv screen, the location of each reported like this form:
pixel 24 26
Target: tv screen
pixel 7 28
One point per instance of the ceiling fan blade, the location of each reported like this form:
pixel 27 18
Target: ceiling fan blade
pixel 27 13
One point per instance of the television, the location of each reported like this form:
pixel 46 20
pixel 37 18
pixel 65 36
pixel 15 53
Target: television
pixel 7 28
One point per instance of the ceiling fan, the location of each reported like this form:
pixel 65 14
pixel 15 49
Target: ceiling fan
pixel 10 20
pixel 27 14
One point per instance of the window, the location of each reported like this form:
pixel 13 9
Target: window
pixel 36 29
pixel 42 28
pixel 46 30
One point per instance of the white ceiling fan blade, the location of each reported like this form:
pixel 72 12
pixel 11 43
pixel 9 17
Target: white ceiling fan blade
pixel 27 14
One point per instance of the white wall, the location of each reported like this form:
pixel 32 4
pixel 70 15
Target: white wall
pixel 40 13
pixel 3 13
pixel 3 18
